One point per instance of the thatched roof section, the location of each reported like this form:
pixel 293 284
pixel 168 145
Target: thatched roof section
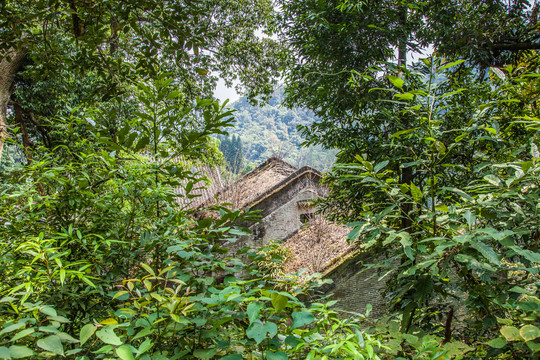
pixel 254 184
pixel 317 246
pixel 205 191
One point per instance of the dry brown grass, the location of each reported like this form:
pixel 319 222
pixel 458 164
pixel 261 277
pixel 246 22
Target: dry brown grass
pixel 317 246
pixel 255 183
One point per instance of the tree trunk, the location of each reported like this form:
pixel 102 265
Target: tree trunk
pixel 406 174
pixel 10 62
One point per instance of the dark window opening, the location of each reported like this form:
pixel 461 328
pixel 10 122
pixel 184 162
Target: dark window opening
pixel 258 233
pixel 305 218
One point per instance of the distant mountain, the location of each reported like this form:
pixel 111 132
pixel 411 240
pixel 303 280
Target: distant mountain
pixel 270 130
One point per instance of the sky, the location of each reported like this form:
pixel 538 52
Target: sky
pixel 222 92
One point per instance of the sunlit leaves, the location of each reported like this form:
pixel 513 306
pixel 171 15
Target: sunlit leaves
pixel 108 336
pixel 86 332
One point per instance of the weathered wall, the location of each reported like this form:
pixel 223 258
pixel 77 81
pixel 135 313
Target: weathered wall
pixel 285 220
pixel 282 206
pixel 355 290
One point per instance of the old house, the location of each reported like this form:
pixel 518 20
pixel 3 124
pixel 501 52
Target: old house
pixel 283 194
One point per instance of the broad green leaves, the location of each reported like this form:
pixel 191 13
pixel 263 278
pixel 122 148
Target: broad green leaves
pixel 302 318
pixel 51 343
pixel 259 331
pixel 448 196
pixel 86 332
pixel 125 353
pixel 108 336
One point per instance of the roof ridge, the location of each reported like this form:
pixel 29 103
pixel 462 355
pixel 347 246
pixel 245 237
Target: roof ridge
pixel 303 170
pixel 263 165
pixel 274 160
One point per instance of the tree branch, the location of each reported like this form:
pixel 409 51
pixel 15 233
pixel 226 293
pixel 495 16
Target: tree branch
pixel 516 46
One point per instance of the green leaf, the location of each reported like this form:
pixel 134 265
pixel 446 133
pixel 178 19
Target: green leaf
pixel 253 310
pixel 486 251
pixel 108 336
pixel 500 74
pixel 232 357
pixel 397 82
pixel 86 332
pixel 405 96
pixel 380 166
pixel 120 293
pixel 19 352
pixel 148 268
pixel 441 148
pixel 51 343
pixel 4 353
pixel 534 151
pixel 527 254
pixel 416 193
pixel 62 276
pixel 292 341
pixel 534 347
pixel 204 354
pixel 302 318
pixel 279 302
pixel 60 319
pixel 449 65
pixel 510 333
pixel 11 328
pixel 525 166
pixel 258 331
pixel 238 232
pixel 141 143
pixel 278 355
pixel 442 208
pixel 47 310
pixel 144 332
pixel 67 338
pixel 492 179
pixel 271 329
pixel 529 332
pixel 409 252
pixel 125 353
pixel 22 334
pixel 504 321
pixel 403 132
pixel 519 290
pixel 469 217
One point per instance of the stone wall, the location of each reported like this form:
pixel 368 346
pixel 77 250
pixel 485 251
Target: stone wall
pixel 285 221
pixel 282 207
pixel 282 193
pixel 354 289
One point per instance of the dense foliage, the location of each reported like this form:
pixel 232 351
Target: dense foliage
pixel 108 111
pixel 436 168
pixel 56 55
pixel 101 258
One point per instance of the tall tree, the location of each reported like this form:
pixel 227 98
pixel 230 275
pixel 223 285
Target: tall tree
pixel 344 49
pixel 115 44
pixel 419 146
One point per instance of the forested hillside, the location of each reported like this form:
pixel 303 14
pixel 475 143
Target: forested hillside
pixel 270 130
